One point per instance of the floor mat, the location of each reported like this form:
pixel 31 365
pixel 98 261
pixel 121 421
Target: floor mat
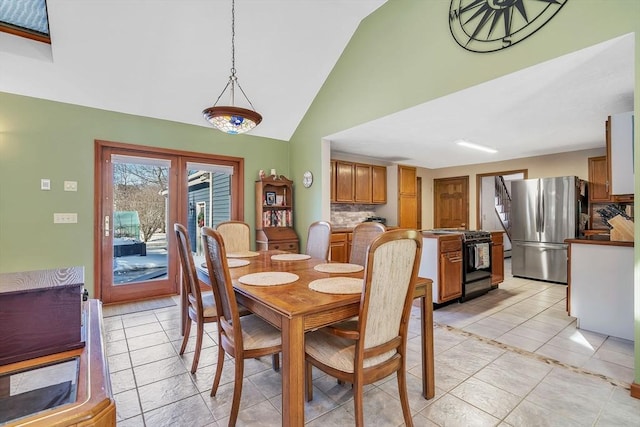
pixel 136 306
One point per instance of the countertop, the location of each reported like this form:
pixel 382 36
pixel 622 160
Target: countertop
pixel 598 239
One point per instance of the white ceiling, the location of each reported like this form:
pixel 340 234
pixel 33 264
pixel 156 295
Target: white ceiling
pixel 172 61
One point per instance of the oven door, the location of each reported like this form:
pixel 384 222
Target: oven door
pixel 477 261
pixel 476 274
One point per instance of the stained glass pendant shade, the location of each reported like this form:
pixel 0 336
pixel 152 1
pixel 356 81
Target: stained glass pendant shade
pixel 232 119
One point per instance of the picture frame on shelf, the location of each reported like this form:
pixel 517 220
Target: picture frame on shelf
pixel 270 198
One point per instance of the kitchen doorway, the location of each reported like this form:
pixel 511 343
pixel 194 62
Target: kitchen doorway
pixel 140 193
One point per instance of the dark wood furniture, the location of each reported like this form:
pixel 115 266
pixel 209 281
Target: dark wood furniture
pixel 274 215
pixel 295 309
pixel 40 313
pixel 93 404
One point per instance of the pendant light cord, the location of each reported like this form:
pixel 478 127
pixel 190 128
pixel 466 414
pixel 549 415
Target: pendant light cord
pixel 233 80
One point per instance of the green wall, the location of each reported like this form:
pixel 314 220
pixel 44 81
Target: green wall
pixel 44 139
pixel 403 55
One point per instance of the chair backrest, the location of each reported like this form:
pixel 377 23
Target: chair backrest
pixel 190 282
pixel 363 234
pixel 236 235
pixel 319 240
pixel 390 274
pixel 223 293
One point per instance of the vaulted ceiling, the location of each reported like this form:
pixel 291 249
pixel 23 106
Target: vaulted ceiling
pixel 173 60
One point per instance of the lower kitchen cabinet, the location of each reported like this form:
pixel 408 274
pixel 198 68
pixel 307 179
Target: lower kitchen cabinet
pixel 339 251
pixel 497 258
pixel 442 262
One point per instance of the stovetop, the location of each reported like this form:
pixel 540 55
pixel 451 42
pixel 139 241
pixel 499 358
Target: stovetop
pixel 467 235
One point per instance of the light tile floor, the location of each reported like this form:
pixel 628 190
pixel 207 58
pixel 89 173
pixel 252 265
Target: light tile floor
pixel 509 358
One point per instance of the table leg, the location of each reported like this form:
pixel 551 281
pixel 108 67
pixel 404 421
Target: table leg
pixel 428 365
pixel 292 372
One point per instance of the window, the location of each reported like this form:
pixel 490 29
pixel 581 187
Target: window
pixel 26 18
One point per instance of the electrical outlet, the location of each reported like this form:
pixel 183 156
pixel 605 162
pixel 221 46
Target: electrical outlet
pixel 71 186
pixel 65 218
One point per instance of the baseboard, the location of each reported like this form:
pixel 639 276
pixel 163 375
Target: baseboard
pixel 635 390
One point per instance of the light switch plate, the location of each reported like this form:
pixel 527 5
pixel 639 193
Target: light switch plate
pixel 45 184
pixel 71 186
pixel 65 218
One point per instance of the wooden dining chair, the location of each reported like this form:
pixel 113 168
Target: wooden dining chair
pixel 319 240
pixel 377 346
pixel 240 337
pixel 236 235
pixel 200 306
pixel 363 234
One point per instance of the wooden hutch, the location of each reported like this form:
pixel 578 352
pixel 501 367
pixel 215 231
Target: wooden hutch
pixel 274 215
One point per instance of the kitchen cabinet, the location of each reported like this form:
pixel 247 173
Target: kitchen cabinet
pixel 497 258
pixel 339 250
pixel 599 303
pixel 441 262
pixel 358 183
pixel 599 180
pixel 619 138
pixel 407 197
pixel 274 215
pixel 344 182
pixel 379 184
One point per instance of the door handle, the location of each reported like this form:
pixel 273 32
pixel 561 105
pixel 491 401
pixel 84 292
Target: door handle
pixel 106 225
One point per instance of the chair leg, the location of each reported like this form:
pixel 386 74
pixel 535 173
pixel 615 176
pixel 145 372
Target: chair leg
pixel 309 380
pixel 404 399
pixel 357 402
pixel 219 366
pixel 196 355
pixel 187 331
pixel 237 392
pixel 275 362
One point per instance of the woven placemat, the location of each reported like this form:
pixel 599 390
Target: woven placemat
pixel 290 257
pixel 268 278
pixel 338 267
pixel 246 254
pixel 337 285
pixel 232 262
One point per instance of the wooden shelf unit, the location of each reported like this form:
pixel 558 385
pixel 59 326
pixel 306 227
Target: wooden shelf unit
pixel 274 215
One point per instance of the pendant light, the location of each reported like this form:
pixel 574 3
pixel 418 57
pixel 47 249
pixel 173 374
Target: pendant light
pixel 231 119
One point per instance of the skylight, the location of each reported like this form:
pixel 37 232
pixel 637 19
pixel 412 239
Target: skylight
pixel 25 18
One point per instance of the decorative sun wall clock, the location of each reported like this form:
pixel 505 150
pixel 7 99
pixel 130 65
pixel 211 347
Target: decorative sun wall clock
pixel 490 25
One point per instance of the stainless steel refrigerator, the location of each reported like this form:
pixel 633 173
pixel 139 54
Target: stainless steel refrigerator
pixel 544 212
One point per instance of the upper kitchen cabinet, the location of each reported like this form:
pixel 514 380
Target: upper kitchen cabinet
pixel 599 180
pixel 619 133
pixel 358 183
pixel 407 197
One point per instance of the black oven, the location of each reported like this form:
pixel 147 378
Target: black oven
pixel 476 264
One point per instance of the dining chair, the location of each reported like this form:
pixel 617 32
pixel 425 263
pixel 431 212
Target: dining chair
pixel 363 234
pixel 240 337
pixel 236 235
pixel 200 306
pixel 319 240
pixel 377 345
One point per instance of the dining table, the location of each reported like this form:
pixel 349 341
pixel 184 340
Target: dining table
pixel 294 308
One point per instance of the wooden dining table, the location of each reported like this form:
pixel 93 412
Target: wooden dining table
pixel 295 309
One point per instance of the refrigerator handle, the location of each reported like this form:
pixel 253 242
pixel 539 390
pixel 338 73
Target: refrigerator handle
pixel 542 212
pixel 538 213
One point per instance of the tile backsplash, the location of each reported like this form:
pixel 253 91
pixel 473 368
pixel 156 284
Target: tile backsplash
pixel 347 215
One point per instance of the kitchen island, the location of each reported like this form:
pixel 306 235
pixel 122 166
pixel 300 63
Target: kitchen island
pixel 600 285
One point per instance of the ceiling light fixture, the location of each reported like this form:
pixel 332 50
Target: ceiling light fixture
pixel 476 146
pixel 232 119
